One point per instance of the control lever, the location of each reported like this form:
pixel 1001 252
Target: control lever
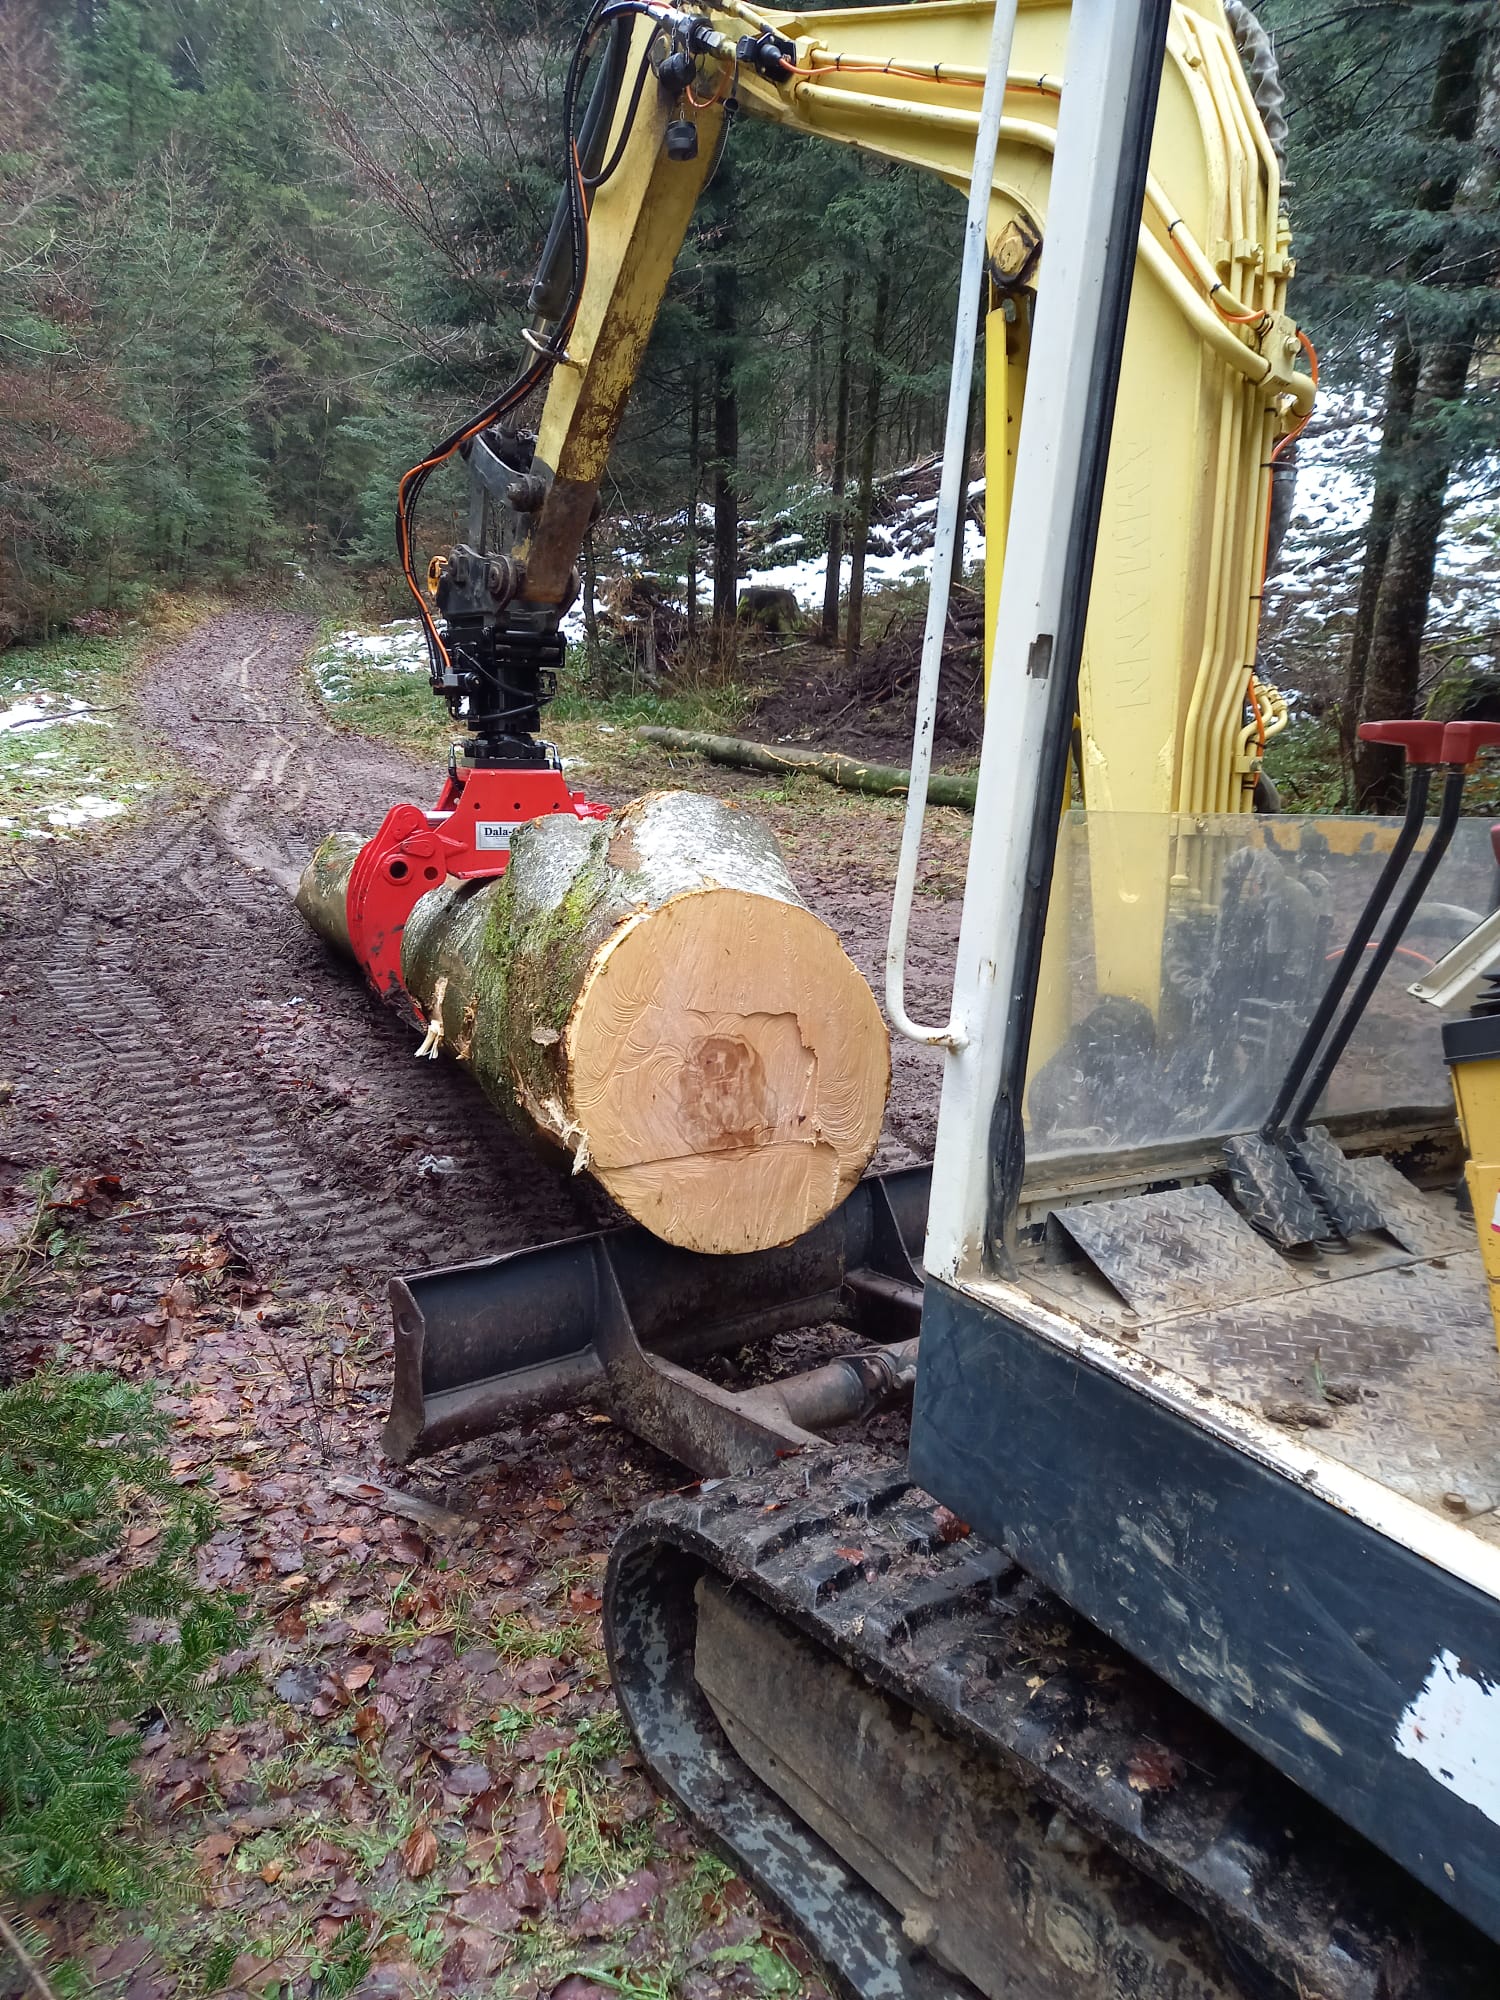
pixel 1460 747
pixel 1295 1182
pixel 1423 744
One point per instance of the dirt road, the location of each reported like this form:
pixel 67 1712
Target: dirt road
pixel 210 1038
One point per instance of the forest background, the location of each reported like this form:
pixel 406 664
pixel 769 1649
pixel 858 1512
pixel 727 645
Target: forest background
pixel 255 254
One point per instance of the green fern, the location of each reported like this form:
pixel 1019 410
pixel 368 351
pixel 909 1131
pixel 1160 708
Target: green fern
pixel 95 1639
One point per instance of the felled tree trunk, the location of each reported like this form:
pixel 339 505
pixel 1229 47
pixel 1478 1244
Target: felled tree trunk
pixel 650 994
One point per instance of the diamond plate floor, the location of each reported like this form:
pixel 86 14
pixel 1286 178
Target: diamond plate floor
pixel 1384 1358
pixel 1394 1373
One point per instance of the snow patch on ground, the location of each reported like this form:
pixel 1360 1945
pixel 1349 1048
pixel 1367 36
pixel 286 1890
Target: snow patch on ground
pixel 82 811
pixel 901 554
pixel 39 710
pixel 396 648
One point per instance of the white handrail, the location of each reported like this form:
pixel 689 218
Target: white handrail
pixel 952 499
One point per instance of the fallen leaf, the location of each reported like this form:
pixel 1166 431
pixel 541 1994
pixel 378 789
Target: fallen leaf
pixel 115 1961
pixel 419 1851
pixel 949 1527
pixel 179 1301
pixel 96 1195
pixel 255 1975
pixel 1153 1768
pixel 216 1846
pixel 358 1677
pixel 468 1779
pixel 627 1904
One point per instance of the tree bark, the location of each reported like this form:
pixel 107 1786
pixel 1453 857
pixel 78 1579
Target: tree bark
pixel 814 390
pixel 651 997
pixel 864 505
pixel 695 475
pixel 591 650
pixel 834 575
pixel 1400 399
pixel 726 415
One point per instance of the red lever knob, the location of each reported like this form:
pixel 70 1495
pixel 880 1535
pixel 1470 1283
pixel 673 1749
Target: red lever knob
pixel 1463 741
pixel 1423 742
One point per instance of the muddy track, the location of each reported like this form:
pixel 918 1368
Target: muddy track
pixel 209 1040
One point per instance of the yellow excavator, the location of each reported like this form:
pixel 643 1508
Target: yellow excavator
pixel 1168 1666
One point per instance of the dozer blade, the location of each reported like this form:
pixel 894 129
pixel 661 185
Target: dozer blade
pixel 478 1345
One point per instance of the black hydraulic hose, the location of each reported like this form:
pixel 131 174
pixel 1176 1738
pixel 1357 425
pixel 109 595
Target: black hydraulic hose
pixel 546 300
pixel 1382 954
pixel 1353 954
pixel 592 180
pixel 549 288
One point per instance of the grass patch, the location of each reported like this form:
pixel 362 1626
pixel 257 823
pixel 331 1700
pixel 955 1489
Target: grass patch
pixel 101 1624
pixel 602 1846
pixel 45 1241
pixel 66 762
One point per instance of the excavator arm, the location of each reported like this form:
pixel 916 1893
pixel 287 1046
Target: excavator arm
pixel 1172 716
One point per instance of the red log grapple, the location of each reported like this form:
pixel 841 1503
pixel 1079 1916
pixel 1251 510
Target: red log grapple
pixel 467 835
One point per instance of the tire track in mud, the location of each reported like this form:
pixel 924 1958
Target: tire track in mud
pixel 223 1041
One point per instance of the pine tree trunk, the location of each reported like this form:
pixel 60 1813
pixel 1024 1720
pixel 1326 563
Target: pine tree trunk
pixel 834 576
pixel 1395 661
pixel 695 474
pixel 814 390
pixel 651 997
pixel 955 582
pixel 1400 398
pixel 726 436
pixel 590 576
pixel 864 504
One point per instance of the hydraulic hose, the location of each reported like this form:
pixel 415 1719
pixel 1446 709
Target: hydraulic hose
pixel 550 288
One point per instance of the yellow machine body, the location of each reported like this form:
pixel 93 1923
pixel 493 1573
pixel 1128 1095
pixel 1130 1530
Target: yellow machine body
pixel 1473 1050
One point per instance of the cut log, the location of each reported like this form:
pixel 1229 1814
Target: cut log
pixel 650 995
pixel 853 774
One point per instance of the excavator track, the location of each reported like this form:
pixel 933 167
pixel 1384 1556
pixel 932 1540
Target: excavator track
pixel 949 1784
